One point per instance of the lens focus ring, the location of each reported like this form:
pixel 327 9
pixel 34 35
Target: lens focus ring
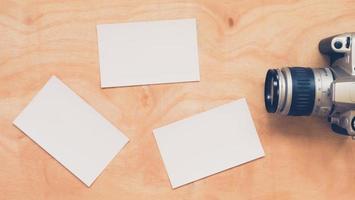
pixel 303 91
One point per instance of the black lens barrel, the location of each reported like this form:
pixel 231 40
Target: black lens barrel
pixel 303 91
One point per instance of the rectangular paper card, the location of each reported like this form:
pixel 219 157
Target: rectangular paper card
pixel 70 130
pixel 208 143
pixel 140 53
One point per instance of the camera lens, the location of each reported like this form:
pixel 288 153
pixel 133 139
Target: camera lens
pixel 298 91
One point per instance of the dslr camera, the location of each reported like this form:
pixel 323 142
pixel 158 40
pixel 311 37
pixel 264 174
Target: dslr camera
pixel 327 92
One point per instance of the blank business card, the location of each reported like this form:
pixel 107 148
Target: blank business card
pixel 70 130
pixel 140 53
pixel 208 143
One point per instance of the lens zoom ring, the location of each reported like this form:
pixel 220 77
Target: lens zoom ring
pixel 303 91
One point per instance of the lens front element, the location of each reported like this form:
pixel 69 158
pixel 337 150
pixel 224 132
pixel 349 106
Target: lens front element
pixel 271 91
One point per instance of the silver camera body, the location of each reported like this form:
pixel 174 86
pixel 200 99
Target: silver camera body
pixel 327 92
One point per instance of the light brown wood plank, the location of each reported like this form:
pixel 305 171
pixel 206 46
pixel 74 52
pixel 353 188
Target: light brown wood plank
pixel 238 42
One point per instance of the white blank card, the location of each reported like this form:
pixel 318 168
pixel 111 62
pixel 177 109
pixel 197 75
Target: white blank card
pixel 208 143
pixel 139 53
pixel 70 130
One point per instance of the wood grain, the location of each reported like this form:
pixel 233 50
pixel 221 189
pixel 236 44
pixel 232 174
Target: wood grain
pixel 238 42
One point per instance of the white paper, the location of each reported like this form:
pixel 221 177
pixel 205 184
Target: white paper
pixel 70 130
pixel 208 143
pixel 140 53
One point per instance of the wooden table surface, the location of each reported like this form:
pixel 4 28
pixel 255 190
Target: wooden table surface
pixel 238 41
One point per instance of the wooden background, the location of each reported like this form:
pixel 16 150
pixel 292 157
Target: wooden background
pixel 238 42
